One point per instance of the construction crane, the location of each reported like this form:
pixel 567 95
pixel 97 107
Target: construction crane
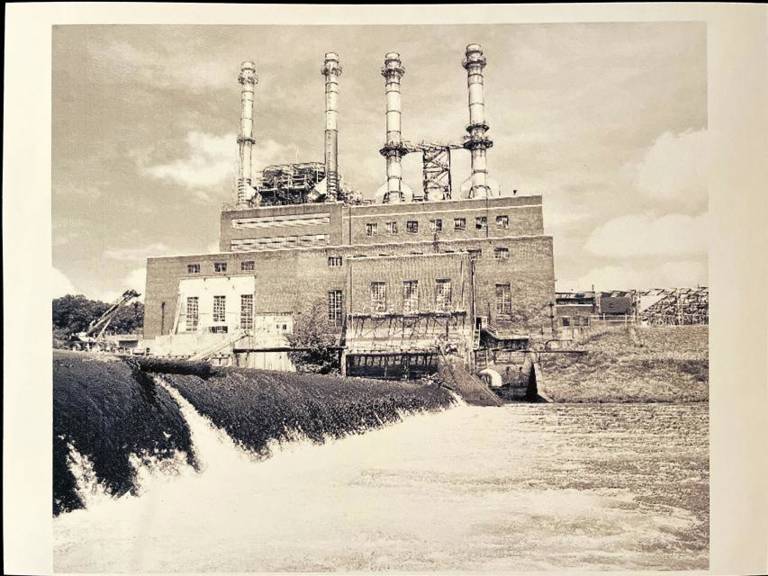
pixel 436 167
pixel 93 336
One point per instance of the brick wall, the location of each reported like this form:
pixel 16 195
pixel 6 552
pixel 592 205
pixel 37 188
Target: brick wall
pixel 290 280
pixel 344 225
pixel 522 214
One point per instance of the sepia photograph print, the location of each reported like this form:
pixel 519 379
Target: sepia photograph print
pixel 342 297
pixel 376 298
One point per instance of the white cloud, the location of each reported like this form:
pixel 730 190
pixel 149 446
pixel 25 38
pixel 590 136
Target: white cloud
pixel 675 274
pixel 61 285
pixel 555 220
pixel 673 170
pixel 136 279
pixel 212 160
pixel 165 69
pixel 643 235
pixel 135 254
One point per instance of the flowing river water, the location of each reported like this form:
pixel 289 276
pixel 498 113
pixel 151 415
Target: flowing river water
pixel 520 487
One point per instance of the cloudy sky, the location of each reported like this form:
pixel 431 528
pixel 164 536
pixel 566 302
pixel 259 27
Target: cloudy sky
pixel 606 121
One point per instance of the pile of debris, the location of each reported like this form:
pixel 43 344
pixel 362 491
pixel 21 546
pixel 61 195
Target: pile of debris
pixel 682 306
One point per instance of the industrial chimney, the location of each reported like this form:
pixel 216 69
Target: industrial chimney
pixel 394 190
pixel 331 70
pixel 476 142
pixel 248 80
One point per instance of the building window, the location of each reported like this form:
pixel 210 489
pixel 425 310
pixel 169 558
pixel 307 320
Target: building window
pixel 410 296
pixel 379 296
pixel 371 229
pixel 335 307
pixel 247 266
pixel 443 294
pixel 246 311
pixel 436 225
pixel 481 223
pixel 335 261
pixel 193 268
pixel 219 266
pixel 193 313
pixel 501 253
pixel 412 226
pixel 459 223
pixel 502 222
pixel 475 253
pixel 503 300
pixel 392 227
pixel 219 308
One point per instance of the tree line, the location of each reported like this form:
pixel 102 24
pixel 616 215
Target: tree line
pixel 74 313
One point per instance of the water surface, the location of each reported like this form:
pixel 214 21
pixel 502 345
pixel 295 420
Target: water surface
pixel 521 487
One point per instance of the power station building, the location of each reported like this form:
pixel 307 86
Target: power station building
pixel 397 277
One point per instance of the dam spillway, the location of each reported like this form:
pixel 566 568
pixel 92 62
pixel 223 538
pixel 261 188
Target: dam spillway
pixel 112 413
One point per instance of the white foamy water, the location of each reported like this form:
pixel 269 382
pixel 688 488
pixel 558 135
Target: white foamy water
pixel 521 487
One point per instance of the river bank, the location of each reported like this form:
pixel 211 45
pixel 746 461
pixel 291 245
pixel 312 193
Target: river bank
pixel 627 364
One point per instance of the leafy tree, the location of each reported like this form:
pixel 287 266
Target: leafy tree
pixel 312 330
pixel 72 314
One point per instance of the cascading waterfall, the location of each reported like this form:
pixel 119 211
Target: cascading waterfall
pixel 468 488
pixel 518 487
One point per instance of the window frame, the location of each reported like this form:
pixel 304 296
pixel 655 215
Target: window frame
pixel 220 267
pixel 410 294
pixel 378 293
pixel 246 313
pixel 443 294
pixel 247 266
pixel 335 261
pixel 371 229
pixel 412 226
pixel 459 224
pixel 193 268
pixel 502 221
pixel 192 326
pixel 336 307
pixel 503 305
pixel 219 313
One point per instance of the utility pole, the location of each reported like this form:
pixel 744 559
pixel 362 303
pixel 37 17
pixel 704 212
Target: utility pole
pixel 552 317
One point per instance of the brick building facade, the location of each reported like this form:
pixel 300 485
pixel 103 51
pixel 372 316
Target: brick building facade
pixel 438 264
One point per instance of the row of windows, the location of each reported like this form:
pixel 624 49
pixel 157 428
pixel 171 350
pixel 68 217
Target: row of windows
pixel 192 316
pixel 499 253
pixel 410 293
pixel 378 291
pixel 220 267
pixel 436 225
pixel 443 296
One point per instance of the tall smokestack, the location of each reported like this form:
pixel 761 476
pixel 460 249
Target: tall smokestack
pixel 331 70
pixel 477 142
pixel 248 80
pixel 393 148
